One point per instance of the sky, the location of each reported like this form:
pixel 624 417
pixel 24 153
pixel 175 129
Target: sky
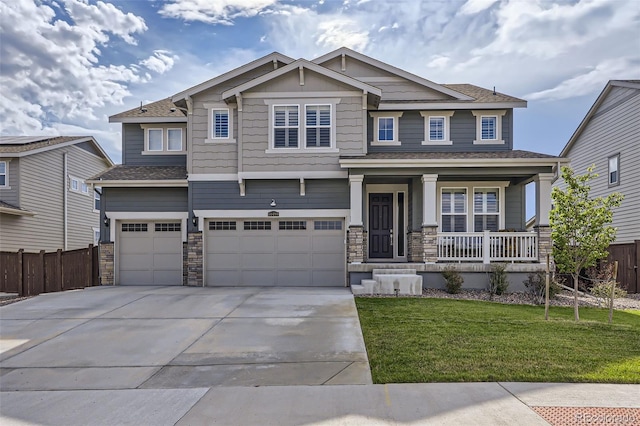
pixel 67 65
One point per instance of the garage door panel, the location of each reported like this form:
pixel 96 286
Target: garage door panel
pixel 149 253
pixel 282 255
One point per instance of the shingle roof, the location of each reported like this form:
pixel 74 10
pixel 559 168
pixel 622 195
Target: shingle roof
pixel 448 155
pixel 125 172
pixel 482 95
pixel 14 144
pixel 159 109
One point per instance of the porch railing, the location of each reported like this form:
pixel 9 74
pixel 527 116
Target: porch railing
pixel 488 246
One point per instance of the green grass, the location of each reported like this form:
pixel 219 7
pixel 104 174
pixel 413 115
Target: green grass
pixel 439 340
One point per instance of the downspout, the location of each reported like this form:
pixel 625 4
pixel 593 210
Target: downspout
pixel 65 200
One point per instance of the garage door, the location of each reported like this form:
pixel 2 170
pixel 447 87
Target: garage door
pixel 150 253
pixel 303 252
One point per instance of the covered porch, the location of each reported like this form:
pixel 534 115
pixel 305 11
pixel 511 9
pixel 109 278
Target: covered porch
pixel 434 209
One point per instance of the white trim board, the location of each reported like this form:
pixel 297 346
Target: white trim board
pixel 146 216
pixel 289 213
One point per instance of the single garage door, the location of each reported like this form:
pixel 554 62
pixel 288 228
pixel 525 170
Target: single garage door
pixel 302 252
pixel 150 253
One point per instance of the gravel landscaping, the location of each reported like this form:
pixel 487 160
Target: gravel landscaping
pixel 565 298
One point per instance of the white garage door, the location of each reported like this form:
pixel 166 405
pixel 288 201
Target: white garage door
pixel 150 253
pixel 301 252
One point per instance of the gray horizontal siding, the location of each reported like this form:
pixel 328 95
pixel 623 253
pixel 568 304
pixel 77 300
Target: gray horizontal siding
pixel 10 193
pixel 514 200
pixel 133 145
pixel 463 133
pixel 320 194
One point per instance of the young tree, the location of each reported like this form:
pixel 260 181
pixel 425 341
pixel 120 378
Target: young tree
pixel 580 226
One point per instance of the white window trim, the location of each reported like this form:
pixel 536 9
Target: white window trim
pixel 427 127
pixel 165 139
pixel 6 175
pixel 617 182
pixel 471 186
pixel 96 230
pixel 147 139
pixel 441 189
pixel 301 104
pixel 80 182
pixel 498 114
pixel 181 139
pixel 377 115
pixel 332 128
pixel 211 107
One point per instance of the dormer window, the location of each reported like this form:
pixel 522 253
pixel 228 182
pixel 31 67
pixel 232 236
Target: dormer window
pixel 437 125
pixel 489 126
pixel 385 128
pixel 163 139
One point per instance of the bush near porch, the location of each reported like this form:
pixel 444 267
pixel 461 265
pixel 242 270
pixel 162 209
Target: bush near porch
pixel 436 340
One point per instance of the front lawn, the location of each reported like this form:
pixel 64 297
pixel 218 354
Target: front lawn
pixel 415 340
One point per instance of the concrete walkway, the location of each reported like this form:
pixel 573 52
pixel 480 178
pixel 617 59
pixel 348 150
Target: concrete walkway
pixel 242 356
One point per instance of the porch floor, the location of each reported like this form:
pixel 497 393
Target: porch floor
pixel 438 267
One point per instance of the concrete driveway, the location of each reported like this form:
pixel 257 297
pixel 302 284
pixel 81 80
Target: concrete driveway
pixel 181 337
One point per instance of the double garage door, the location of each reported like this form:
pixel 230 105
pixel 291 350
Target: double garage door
pixel 149 253
pixel 275 252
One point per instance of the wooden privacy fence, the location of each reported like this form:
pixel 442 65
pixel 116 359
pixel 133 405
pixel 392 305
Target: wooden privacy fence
pixel 628 257
pixel 30 274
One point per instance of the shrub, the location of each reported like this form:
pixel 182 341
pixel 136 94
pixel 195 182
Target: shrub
pixel 535 284
pixel 498 282
pixel 603 281
pixel 453 279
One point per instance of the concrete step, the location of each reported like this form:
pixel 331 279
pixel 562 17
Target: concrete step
pixel 357 289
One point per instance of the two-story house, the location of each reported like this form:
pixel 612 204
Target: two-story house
pixel 45 201
pixel 609 138
pixel 313 173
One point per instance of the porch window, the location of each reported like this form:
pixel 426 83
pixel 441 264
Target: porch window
pixel 454 210
pixel 318 126
pixel 486 210
pixel 285 126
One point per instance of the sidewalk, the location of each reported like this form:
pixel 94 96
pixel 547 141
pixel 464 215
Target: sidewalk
pixel 393 404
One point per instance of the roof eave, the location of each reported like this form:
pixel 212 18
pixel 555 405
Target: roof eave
pixel 456 162
pixel 165 183
pixel 451 105
pixel 135 120
pixel 60 145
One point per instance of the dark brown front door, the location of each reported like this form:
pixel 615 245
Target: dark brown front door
pixel 380 226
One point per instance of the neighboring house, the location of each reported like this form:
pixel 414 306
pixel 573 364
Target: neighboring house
pixel 609 138
pixel 45 200
pixel 314 173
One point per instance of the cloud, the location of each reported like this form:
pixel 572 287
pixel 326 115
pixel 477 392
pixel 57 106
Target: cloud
pixel 476 6
pixel 53 67
pixel 161 61
pixel 594 80
pixel 222 12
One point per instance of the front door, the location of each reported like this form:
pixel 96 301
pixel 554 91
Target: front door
pixel 381 226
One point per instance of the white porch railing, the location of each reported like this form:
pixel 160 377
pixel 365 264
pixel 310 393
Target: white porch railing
pixel 488 246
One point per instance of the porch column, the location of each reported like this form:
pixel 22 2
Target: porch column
pixel 429 219
pixel 543 198
pixel 355 240
pixel 543 208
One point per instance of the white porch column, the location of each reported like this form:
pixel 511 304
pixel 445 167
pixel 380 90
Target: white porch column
pixel 543 198
pixel 355 187
pixel 429 197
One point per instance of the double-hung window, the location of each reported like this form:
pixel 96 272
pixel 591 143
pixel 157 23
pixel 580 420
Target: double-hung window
pixel 385 127
pixel 4 181
pixel 285 126
pixel 614 170
pixel 488 126
pixel 318 126
pixel 96 198
pixel 486 209
pixel 155 139
pixel 454 209
pixel 174 139
pixel 436 127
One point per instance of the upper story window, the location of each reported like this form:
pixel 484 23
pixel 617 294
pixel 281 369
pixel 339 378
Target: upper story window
pixel 78 185
pixel 488 126
pixel 96 198
pixel 318 126
pixel 385 127
pixel 614 170
pixel 163 139
pixel 285 126
pixel 4 174
pixel 220 122
pixel 437 125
